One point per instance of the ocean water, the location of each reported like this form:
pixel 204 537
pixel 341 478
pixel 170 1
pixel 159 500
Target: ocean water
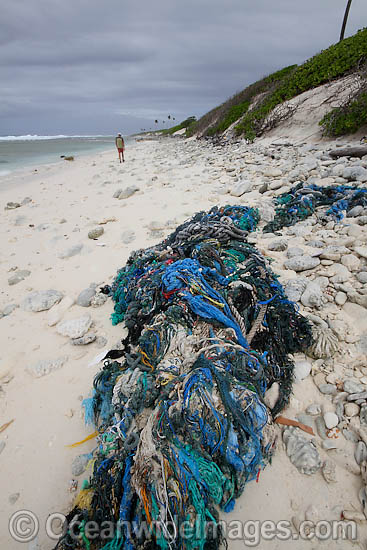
pixel 22 151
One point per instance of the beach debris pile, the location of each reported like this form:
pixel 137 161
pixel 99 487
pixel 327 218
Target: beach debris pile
pixel 182 408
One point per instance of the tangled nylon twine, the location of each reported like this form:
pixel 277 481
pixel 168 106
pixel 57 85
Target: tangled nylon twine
pixel 180 410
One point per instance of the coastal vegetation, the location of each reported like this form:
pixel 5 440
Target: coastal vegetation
pixel 249 109
pixel 185 124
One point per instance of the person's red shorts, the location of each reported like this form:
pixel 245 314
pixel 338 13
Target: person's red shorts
pixel 121 150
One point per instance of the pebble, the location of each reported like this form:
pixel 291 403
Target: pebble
pixel 362 277
pixel 314 409
pixel 351 262
pixel 328 389
pixel 331 420
pixel 340 298
pixel 340 274
pixel 294 251
pixel 95 233
pixel 128 192
pixel 321 428
pixel 294 288
pixel 302 369
pixel 350 435
pixel 361 251
pixel 351 409
pixel 272 395
pixel 79 464
pixel 41 300
pixel 363 415
pixel 46 366
pixel 352 386
pixel 12 205
pixel 276 185
pixel 8 309
pixel 263 188
pixel 74 328
pixel 312 295
pixel 272 172
pixel 329 444
pixel 339 411
pixel 98 300
pixel 83 340
pixel 279 245
pixel 355 173
pixel 301 263
pixel 101 341
pixel 360 453
pixel 241 188
pixel 354 212
pixel 86 295
pixel 18 277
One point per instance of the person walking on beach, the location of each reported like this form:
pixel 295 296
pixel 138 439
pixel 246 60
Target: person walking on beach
pixel 120 144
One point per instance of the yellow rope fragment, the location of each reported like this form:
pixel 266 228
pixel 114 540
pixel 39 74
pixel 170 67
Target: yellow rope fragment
pixel 88 438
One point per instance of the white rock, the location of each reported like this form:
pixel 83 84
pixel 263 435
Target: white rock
pixel 301 263
pixel 361 251
pixel 241 188
pixel 57 311
pixel 312 296
pixel 341 274
pixel 351 409
pixel 331 420
pixel 301 369
pixel 314 409
pixel 277 184
pixel 340 298
pixel 128 192
pixel 272 172
pixel 42 300
pixel 272 395
pixel 352 173
pixel 74 328
pixel 351 262
pixel 45 366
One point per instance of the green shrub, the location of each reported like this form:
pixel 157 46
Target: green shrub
pixel 220 118
pixel 346 119
pixel 332 63
pixel 184 124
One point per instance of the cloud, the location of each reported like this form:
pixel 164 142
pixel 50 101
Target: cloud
pixel 89 66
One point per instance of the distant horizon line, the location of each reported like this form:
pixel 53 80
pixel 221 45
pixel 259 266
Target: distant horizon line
pixel 35 137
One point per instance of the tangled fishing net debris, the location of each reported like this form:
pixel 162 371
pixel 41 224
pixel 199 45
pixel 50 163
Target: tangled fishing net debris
pixel 180 411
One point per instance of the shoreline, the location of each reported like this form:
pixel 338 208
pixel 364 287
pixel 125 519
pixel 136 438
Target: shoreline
pixel 39 168
pixel 175 179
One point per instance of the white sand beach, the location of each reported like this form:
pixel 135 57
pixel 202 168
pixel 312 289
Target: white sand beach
pixel 47 235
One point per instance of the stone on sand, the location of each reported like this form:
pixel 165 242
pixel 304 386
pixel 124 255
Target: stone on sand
pixel 41 300
pixel 74 328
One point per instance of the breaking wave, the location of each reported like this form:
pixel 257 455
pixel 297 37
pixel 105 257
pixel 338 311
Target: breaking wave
pixel 35 137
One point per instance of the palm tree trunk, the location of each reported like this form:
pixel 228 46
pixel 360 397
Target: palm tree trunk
pixel 345 20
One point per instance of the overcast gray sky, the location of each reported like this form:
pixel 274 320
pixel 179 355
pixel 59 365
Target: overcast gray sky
pixel 102 66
